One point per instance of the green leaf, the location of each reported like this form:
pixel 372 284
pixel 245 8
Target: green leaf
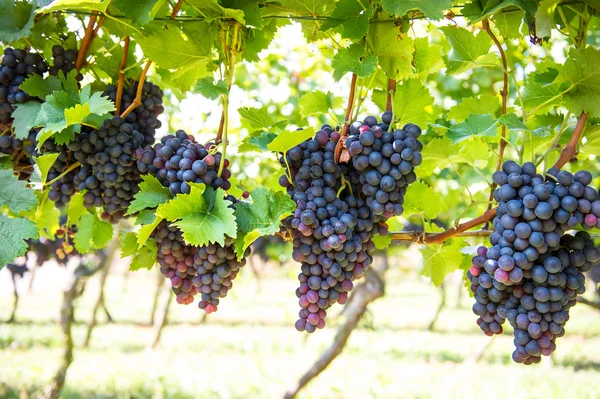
pixel 144 257
pixel 474 125
pixel 512 121
pixel 203 215
pixel 478 10
pixel 37 86
pixel 287 140
pixel 466 48
pixel 352 17
pixel 258 141
pixel 433 9
pixel 439 260
pixel 582 69
pixel 25 118
pixel 146 230
pixel 177 49
pixel 211 10
pixel 16 19
pixel 76 208
pixel 486 104
pixel 15 194
pixel 353 59
pixel 45 162
pixel 5 161
pixel 422 199
pixel 140 11
pixel 509 24
pixel 209 89
pixel 45 216
pixel 473 152
pixel 259 40
pixel 539 98
pixel 92 233
pixel 76 5
pixel 261 217
pixel 317 102
pixel 146 216
pixel 394 50
pixel 383 242
pixel 76 114
pixel 413 103
pixel 129 245
pixel 257 118
pixel 252 12
pixel 13 235
pixel 544 16
pixel 152 194
pixel 428 57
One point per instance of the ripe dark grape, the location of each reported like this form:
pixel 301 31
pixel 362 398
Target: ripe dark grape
pixel 63 60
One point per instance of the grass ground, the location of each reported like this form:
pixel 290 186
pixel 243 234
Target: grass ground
pixel 249 349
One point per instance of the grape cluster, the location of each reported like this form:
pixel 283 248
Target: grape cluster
pixel 533 271
pixel 176 260
pixel 16 65
pixel 144 118
pixel 61 190
pixel 63 60
pixel 21 152
pixel 331 235
pixel 179 160
pixel 216 268
pixel 386 161
pixel 108 171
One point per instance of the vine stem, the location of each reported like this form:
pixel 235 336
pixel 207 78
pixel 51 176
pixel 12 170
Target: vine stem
pixel 571 148
pixel 122 76
pixel 138 95
pixel 87 38
pixel 69 169
pixel 390 95
pixel 224 125
pixel 97 27
pixel 176 9
pixel 344 133
pixel 456 231
pixel 504 94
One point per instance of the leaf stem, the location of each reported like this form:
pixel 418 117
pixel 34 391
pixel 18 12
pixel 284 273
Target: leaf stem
pixel 69 169
pixel 346 127
pixel 176 9
pixel 571 148
pixel 87 38
pixel 138 95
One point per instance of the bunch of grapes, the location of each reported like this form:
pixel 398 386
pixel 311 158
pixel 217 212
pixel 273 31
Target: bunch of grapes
pixel 386 161
pixel 533 271
pixel 144 117
pixel 179 160
pixel 108 171
pixel 176 260
pixel 216 267
pixel 16 65
pixel 63 60
pixel 331 235
pixel 21 152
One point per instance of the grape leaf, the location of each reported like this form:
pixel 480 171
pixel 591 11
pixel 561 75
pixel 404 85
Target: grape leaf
pixel 259 40
pixel 509 24
pixel 146 216
pixel 257 141
pixel 252 12
pixel 140 11
pixel 92 233
pixel 76 5
pixel 76 208
pixel 433 9
pixel 261 217
pixel 544 16
pixel 203 215
pixel 428 57
pixel 467 48
pixel 286 140
pixel 152 193
pixel 353 59
pixel 486 104
pixel 45 162
pixel 473 152
pixel 412 103
pixel 13 235
pixel 209 89
pixel 539 98
pixel 146 230
pixel 383 242
pixel 45 216
pixel 15 194
pixel 475 125
pixel 512 122
pixel 352 17
pixel 25 117
pixel 144 257
pixel 211 10
pixel 393 50
pixel 478 10
pixel 422 199
pixel 5 161
pixel 582 69
pixel 16 19
pixel 259 118
pixel 176 49
pixel 317 102
pixel 439 260
pixel 37 86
